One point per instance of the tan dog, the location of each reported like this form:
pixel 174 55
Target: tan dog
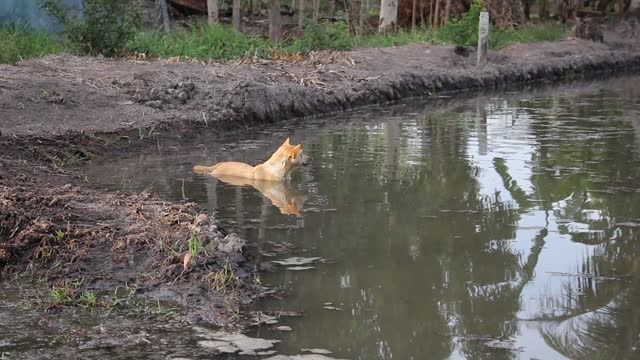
pixel 277 168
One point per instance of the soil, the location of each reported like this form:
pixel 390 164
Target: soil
pixel 58 112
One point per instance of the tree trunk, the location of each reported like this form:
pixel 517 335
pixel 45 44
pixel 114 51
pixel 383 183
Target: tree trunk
pixel 274 20
pixel 388 15
pixel 447 10
pixel 212 11
pixel 543 9
pixel 316 10
pixel 165 16
pixel 436 16
pixel 353 17
pixel 236 15
pixel 332 7
pixel 526 6
pixel 432 8
pixel 293 5
pixel 413 16
pixel 301 15
pixel 362 16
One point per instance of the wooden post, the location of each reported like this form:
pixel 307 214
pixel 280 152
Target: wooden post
pixel 236 15
pixel 483 37
pixel 165 15
pixel 212 11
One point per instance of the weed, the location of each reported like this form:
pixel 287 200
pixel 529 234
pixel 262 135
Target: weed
pixel 195 245
pixel 88 299
pixel 60 235
pixel 222 278
pixel 62 295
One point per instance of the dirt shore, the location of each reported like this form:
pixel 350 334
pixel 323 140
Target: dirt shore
pixel 58 112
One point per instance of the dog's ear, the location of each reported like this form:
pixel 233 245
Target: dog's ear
pixel 286 142
pixel 294 151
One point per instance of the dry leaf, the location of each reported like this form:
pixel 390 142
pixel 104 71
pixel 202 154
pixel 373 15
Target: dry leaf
pixel 187 260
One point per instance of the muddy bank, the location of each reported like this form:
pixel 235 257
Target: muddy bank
pixel 58 112
pixel 59 94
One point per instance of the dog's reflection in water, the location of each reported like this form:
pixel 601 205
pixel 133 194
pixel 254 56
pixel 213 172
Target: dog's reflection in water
pixel 281 194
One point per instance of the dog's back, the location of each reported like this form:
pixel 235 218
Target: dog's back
pixel 227 168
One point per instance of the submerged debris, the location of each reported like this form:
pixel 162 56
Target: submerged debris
pixel 297 261
pixel 231 343
pixel 316 351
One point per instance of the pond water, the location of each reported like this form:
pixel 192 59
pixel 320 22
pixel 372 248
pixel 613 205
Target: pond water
pixel 501 226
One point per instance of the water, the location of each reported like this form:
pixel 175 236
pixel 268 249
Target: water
pixel 494 227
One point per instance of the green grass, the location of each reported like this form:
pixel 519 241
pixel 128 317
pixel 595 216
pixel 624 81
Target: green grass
pixel 401 37
pixel 195 246
pixel 219 42
pixel 532 33
pixel 61 295
pixel 202 42
pixel 19 42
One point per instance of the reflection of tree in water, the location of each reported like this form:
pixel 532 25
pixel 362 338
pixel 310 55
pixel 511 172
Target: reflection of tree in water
pixel 581 173
pixel 434 235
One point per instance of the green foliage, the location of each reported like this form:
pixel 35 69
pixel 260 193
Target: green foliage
pixel 202 42
pixel 88 299
pixel 321 36
pixel 545 32
pixel 18 42
pixel 111 28
pixel 401 37
pixel 59 235
pixel 105 27
pixel 62 295
pixel 195 245
pixel 463 31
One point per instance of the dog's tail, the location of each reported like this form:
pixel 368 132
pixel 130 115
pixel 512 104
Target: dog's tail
pixel 204 169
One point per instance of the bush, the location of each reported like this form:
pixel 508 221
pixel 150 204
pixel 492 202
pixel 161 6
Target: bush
pixel 463 31
pixel 104 28
pixel 18 42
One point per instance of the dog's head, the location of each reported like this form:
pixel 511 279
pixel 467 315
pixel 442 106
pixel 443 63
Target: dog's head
pixel 294 156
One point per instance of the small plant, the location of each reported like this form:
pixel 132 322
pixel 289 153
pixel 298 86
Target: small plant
pixel 104 27
pixel 60 235
pixel 62 295
pixel 88 299
pixel 222 278
pixel 195 245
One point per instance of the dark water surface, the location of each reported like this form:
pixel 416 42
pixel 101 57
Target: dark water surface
pixel 497 227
